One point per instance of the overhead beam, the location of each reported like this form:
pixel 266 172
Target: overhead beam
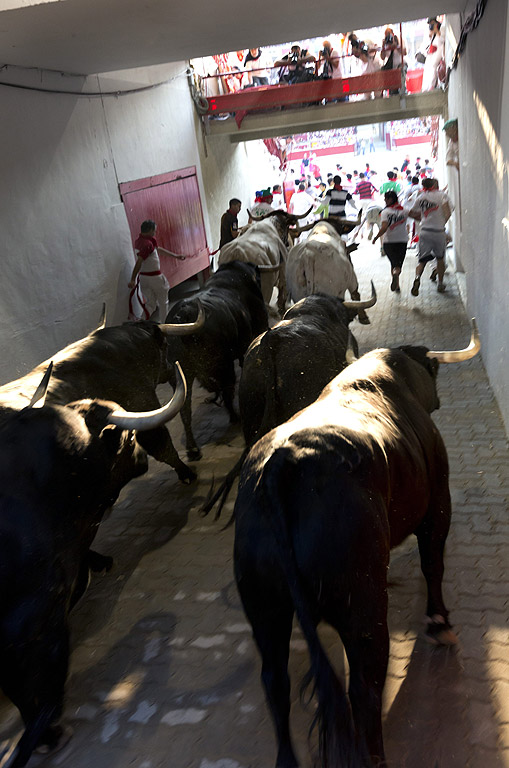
pixel 322 118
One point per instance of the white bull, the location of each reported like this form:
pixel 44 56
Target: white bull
pixel 263 244
pixel 370 217
pixel 321 264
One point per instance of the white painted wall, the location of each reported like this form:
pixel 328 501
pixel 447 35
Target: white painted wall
pixel 66 242
pixel 479 98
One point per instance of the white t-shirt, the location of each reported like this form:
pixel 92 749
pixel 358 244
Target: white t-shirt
pixel 410 195
pixel 300 203
pixel 429 204
pixel 395 216
pixel 278 201
pixel 258 64
pixel 336 73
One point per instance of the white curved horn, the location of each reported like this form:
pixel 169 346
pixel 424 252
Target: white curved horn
pixel 40 392
pixel 459 355
pixel 362 304
pixel 151 419
pixel 350 355
pixel 185 329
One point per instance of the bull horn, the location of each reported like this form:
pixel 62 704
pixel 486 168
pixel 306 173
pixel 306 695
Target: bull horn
pixel 350 355
pixel 266 268
pixel 459 355
pixel 102 319
pixel 295 232
pixel 362 304
pixel 152 419
pixel 262 216
pixel 302 215
pixel 40 392
pixel 185 329
pixel 343 221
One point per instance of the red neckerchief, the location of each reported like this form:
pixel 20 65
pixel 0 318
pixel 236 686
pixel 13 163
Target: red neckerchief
pixel 397 206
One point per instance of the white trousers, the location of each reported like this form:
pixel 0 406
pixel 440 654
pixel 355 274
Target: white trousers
pixel 155 290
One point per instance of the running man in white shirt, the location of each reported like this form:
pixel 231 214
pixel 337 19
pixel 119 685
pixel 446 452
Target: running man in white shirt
pixel 433 209
pixel 393 231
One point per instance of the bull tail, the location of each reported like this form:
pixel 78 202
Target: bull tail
pixel 338 743
pixel 224 489
pixel 270 418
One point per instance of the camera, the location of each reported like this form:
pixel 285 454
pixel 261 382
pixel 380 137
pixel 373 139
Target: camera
pixel 326 51
pixel 389 39
pixel 294 57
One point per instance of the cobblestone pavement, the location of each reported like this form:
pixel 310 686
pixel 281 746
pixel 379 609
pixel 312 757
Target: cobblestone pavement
pixel 164 671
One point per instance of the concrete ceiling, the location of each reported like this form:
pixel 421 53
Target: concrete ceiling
pixel 92 36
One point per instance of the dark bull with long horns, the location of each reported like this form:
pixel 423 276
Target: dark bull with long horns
pixel 61 468
pixel 322 500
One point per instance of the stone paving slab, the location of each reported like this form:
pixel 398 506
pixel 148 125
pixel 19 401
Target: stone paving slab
pixel 164 671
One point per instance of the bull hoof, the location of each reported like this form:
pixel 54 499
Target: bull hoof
pixel 186 475
pixel 439 631
pixel 194 454
pixel 54 739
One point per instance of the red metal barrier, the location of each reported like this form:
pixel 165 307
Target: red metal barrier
pixel 270 96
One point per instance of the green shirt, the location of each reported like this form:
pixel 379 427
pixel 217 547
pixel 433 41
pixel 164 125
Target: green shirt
pixel 390 185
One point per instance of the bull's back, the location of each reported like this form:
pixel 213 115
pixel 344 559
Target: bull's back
pixel 316 485
pixel 286 370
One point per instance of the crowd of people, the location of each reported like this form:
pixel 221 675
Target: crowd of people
pixel 349 56
pixel 407 205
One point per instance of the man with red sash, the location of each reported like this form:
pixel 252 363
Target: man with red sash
pixel 154 284
pixel 433 209
pixel 395 236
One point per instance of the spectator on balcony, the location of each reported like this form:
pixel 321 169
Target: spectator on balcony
pixel 392 54
pixel 365 52
pixel 256 64
pixel 293 69
pixel 329 62
pixel 434 59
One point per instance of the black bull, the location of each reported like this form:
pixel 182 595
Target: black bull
pixel 286 368
pixel 123 364
pixel 322 500
pixel 61 467
pixel 234 314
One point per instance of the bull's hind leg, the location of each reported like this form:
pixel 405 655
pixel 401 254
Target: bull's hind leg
pixel 227 378
pixel 271 618
pixel 366 640
pixel 431 536
pixel 33 677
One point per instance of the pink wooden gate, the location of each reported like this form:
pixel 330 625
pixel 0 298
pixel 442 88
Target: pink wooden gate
pixel 172 200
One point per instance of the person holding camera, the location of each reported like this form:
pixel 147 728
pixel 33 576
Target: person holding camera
pixel 364 51
pixel 434 60
pixel 329 59
pixel 255 63
pixel 392 52
pixel 293 69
